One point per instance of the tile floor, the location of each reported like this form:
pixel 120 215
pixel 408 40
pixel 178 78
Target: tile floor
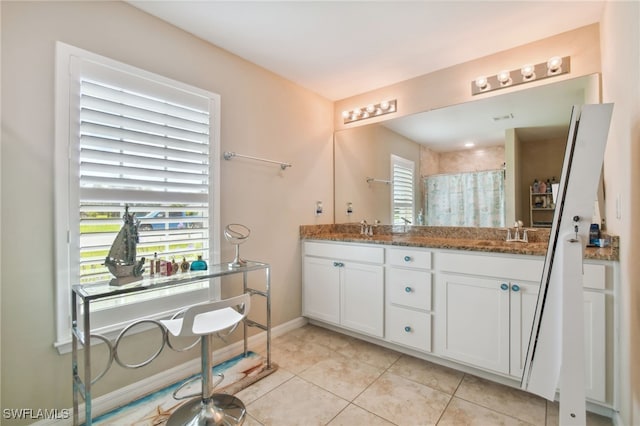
pixel 326 378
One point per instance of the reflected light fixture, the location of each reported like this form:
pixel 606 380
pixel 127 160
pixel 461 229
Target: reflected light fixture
pixel 554 66
pixel 371 110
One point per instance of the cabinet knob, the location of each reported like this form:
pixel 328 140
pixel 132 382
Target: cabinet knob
pixel 408 289
pixel 504 286
pixel 407 329
pixel 407 258
pixel 515 287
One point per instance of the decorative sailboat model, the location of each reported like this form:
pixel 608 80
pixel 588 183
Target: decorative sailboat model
pixel 121 260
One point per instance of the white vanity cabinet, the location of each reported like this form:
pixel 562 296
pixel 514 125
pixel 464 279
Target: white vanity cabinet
pixel 344 285
pixel 408 298
pixel 473 308
pixel 485 306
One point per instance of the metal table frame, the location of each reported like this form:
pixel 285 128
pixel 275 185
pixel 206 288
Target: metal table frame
pixel 86 294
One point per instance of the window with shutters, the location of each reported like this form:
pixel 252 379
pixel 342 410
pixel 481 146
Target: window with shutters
pixel 402 194
pixel 127 137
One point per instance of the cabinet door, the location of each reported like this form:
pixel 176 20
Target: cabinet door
pixel 321 289
pixel 595 346
pixel 474 321
pixel 362 293
pixel 524 297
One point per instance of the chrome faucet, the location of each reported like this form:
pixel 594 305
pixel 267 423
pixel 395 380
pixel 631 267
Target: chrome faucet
pixel 366 229
pixel 363 227
pixel 522 238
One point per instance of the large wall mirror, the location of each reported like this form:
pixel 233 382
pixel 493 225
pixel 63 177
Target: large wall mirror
pixel 418 168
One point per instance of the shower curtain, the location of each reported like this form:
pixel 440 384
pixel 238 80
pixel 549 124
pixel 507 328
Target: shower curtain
pixel 466 199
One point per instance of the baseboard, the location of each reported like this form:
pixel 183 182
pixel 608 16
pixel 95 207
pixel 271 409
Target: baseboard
pixel 123 396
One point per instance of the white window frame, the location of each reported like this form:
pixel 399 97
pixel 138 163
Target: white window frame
pixel 408 164
pixel 67 59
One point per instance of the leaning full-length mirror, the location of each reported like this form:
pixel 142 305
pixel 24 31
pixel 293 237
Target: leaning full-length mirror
pixel 418 168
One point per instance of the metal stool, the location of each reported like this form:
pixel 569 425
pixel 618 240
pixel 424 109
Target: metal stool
pixel 204 320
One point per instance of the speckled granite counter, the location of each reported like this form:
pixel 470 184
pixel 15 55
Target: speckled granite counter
pixel 455 238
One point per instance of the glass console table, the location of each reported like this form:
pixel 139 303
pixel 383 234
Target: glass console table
pixel 83 295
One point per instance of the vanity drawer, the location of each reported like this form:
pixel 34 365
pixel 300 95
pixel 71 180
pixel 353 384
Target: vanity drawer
pixel 409 288
pixel 409 258
pixel 358 253
pixel 409 328
pixel 489 265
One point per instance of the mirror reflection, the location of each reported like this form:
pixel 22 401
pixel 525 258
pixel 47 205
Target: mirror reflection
pixel 473 164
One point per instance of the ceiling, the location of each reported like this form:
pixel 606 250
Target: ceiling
pixel 342 48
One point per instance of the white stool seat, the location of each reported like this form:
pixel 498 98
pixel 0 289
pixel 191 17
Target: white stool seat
pixel 210 317
pixel 206 323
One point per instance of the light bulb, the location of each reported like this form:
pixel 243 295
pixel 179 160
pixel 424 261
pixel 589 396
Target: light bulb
pixel 482 83
pixel 345 114
pixel 554 64
pixel 371 108
pixel 528 71
pixel 384 105
pixel 504 77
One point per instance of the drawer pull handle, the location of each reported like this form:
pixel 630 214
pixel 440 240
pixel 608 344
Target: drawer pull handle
pixel 407 258
pixel 515 287
pixel 504 286
pixel 408 289
pixel 407 329
pixel 338 264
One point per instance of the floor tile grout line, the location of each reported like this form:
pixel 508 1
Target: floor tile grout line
pixel 453 395
pixel 476 403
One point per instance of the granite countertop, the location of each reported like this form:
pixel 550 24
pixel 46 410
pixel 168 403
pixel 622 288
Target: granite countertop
pixel 492 240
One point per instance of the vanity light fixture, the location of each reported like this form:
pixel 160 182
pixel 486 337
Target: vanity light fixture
pixel 554 66
pixel 371 110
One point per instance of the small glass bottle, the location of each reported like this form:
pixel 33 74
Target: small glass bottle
pixel 199 265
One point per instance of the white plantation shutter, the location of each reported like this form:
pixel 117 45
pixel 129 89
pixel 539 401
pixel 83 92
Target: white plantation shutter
pixel 131 143
pixel 402 203
pixel 150 154
pixel 131 138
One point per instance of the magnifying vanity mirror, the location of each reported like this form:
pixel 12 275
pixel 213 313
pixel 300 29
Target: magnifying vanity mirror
pixel 406 169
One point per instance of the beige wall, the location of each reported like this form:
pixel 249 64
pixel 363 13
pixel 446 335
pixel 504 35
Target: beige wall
pixel 262 115
pixel 620 42
pixel 472 160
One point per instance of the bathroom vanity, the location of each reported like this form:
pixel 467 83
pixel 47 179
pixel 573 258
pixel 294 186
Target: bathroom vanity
pixel 453 299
